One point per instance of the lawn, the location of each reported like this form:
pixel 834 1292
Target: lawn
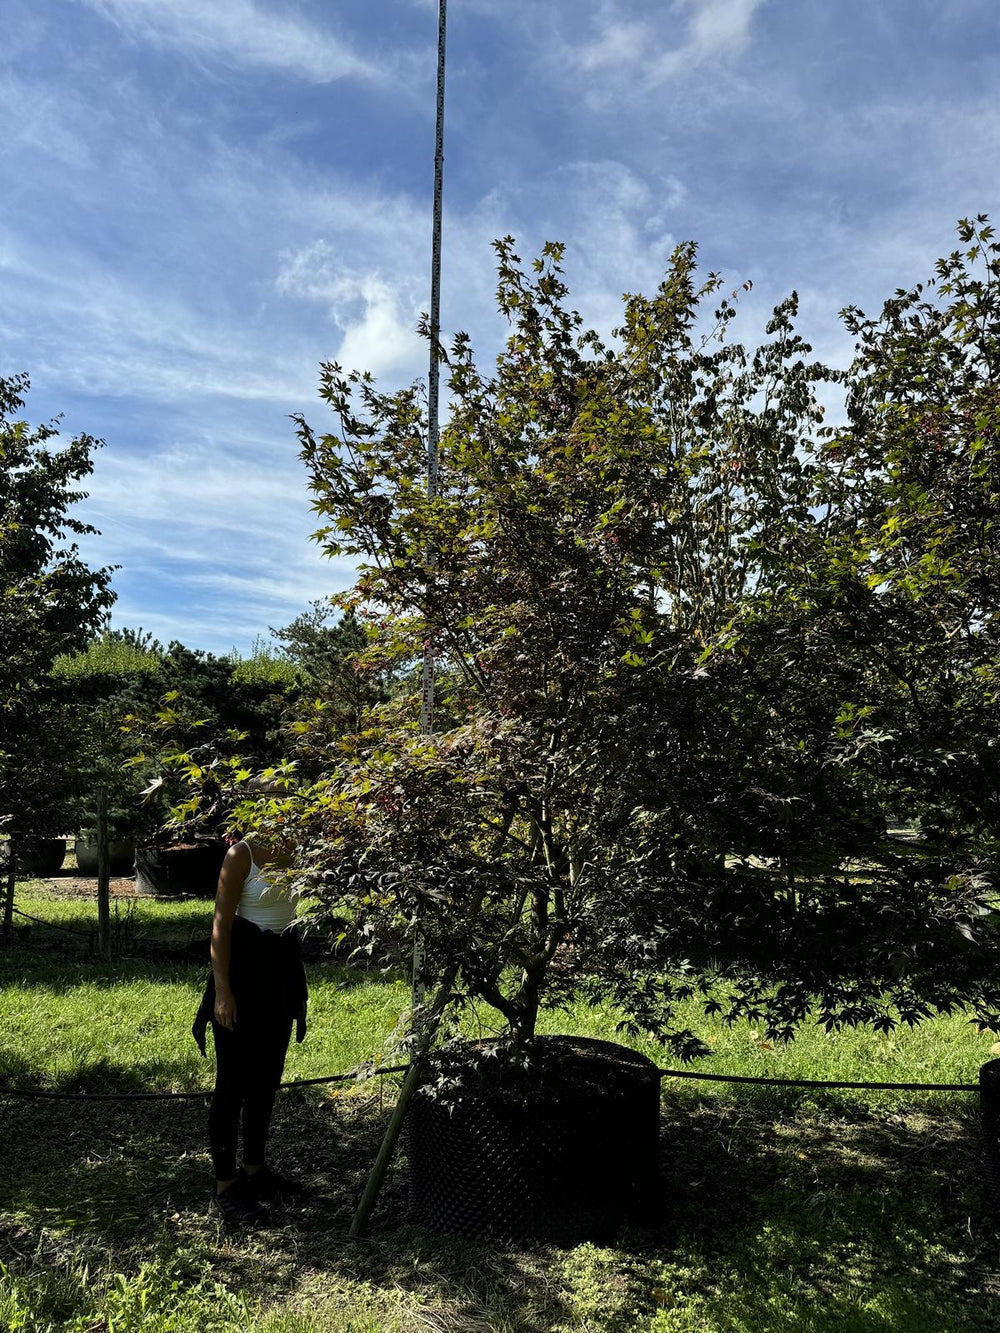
pixel 784 1210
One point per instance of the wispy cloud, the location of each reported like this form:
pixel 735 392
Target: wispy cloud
pixel 114 334
pixel 717 27
pixel 663 41
pixel 242 33
pixel 207 198
pixel 213 531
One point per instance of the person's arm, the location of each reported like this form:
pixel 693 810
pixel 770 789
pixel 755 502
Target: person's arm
pixel 232 877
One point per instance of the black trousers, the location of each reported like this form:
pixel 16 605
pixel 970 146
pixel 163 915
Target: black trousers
pixel 249 1062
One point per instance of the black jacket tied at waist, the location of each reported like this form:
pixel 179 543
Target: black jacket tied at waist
pixel 267 978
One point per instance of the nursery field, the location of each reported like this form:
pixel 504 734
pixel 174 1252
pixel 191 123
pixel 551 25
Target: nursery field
pixel 785 1209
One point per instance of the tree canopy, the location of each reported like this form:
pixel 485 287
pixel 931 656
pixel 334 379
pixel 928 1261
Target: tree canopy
pixel 696 648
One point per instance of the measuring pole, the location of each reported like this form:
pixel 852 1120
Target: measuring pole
pixel 433 431
pixel 428 1022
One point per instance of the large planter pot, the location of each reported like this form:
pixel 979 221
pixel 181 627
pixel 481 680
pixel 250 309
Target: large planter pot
pixel 41 858
pixel 187 868
pixel 567 1153
pixel 121 855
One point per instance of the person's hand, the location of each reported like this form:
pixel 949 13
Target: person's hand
pixel 225 1009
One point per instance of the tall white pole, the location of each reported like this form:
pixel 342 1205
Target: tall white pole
pixel 433 431
pixel 388 1146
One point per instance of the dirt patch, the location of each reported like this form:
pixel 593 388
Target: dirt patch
pixel 77 886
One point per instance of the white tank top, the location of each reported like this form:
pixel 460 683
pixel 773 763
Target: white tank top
pixel 262 904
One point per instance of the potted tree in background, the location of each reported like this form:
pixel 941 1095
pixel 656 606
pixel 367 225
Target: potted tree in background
pixel 118 672
pixel 50 602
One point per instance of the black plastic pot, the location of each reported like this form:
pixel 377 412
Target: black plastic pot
pixel 41 858
pixel 566 1156
pixel 121 854
pixel 189 868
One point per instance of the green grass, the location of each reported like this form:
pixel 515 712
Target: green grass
pixel 784 1210
pixel 65 1018
pixel 71 1021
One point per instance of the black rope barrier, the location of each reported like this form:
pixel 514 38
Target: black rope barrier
pixel 53 925
pixel 819 1083
pixel 42 1094
pixel 360 1074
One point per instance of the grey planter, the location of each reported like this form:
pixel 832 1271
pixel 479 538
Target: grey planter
pixel 167 872
pixel 41 858
pixel 121 854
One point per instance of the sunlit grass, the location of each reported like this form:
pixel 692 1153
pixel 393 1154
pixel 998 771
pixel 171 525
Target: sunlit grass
pixel 70 1017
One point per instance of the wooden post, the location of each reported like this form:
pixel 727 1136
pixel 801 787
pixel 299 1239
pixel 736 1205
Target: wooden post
pixel 103 877
pixel 8 905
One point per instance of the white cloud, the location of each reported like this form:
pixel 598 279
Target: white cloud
pixel 378 318
pixel 635 55
pixel 618 43
pixel 220 530
pixel 36 122
pixel 718 27
pixel 205 485
pixel 242 33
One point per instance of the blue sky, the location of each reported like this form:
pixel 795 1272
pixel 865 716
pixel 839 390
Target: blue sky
pixel 204 199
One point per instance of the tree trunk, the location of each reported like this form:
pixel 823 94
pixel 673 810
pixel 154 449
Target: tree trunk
pixel 103 877
pixel 527 1017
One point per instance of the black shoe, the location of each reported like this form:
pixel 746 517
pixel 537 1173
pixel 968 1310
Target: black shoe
pixel 265 1185
pixel 239 1208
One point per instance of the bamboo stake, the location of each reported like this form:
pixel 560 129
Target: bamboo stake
pixel 430 1024
pixel 373 1186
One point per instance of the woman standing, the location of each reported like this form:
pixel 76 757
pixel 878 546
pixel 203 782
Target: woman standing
pixel 256 990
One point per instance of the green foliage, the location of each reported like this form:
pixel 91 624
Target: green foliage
pixel 50 602
pixel 224 701
pixel 264 666
pixel 116 675
pixel 214 729
pixel 339 680
pixel 917 475
pixel 211 720
pixel 661 663
pixel 116 654
pixel 163 1296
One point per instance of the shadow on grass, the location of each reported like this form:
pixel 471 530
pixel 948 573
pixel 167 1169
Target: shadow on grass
pixel 104 1076
pixel 137 926
pixel 175 938
pixel 780 1212
pixel 59 968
